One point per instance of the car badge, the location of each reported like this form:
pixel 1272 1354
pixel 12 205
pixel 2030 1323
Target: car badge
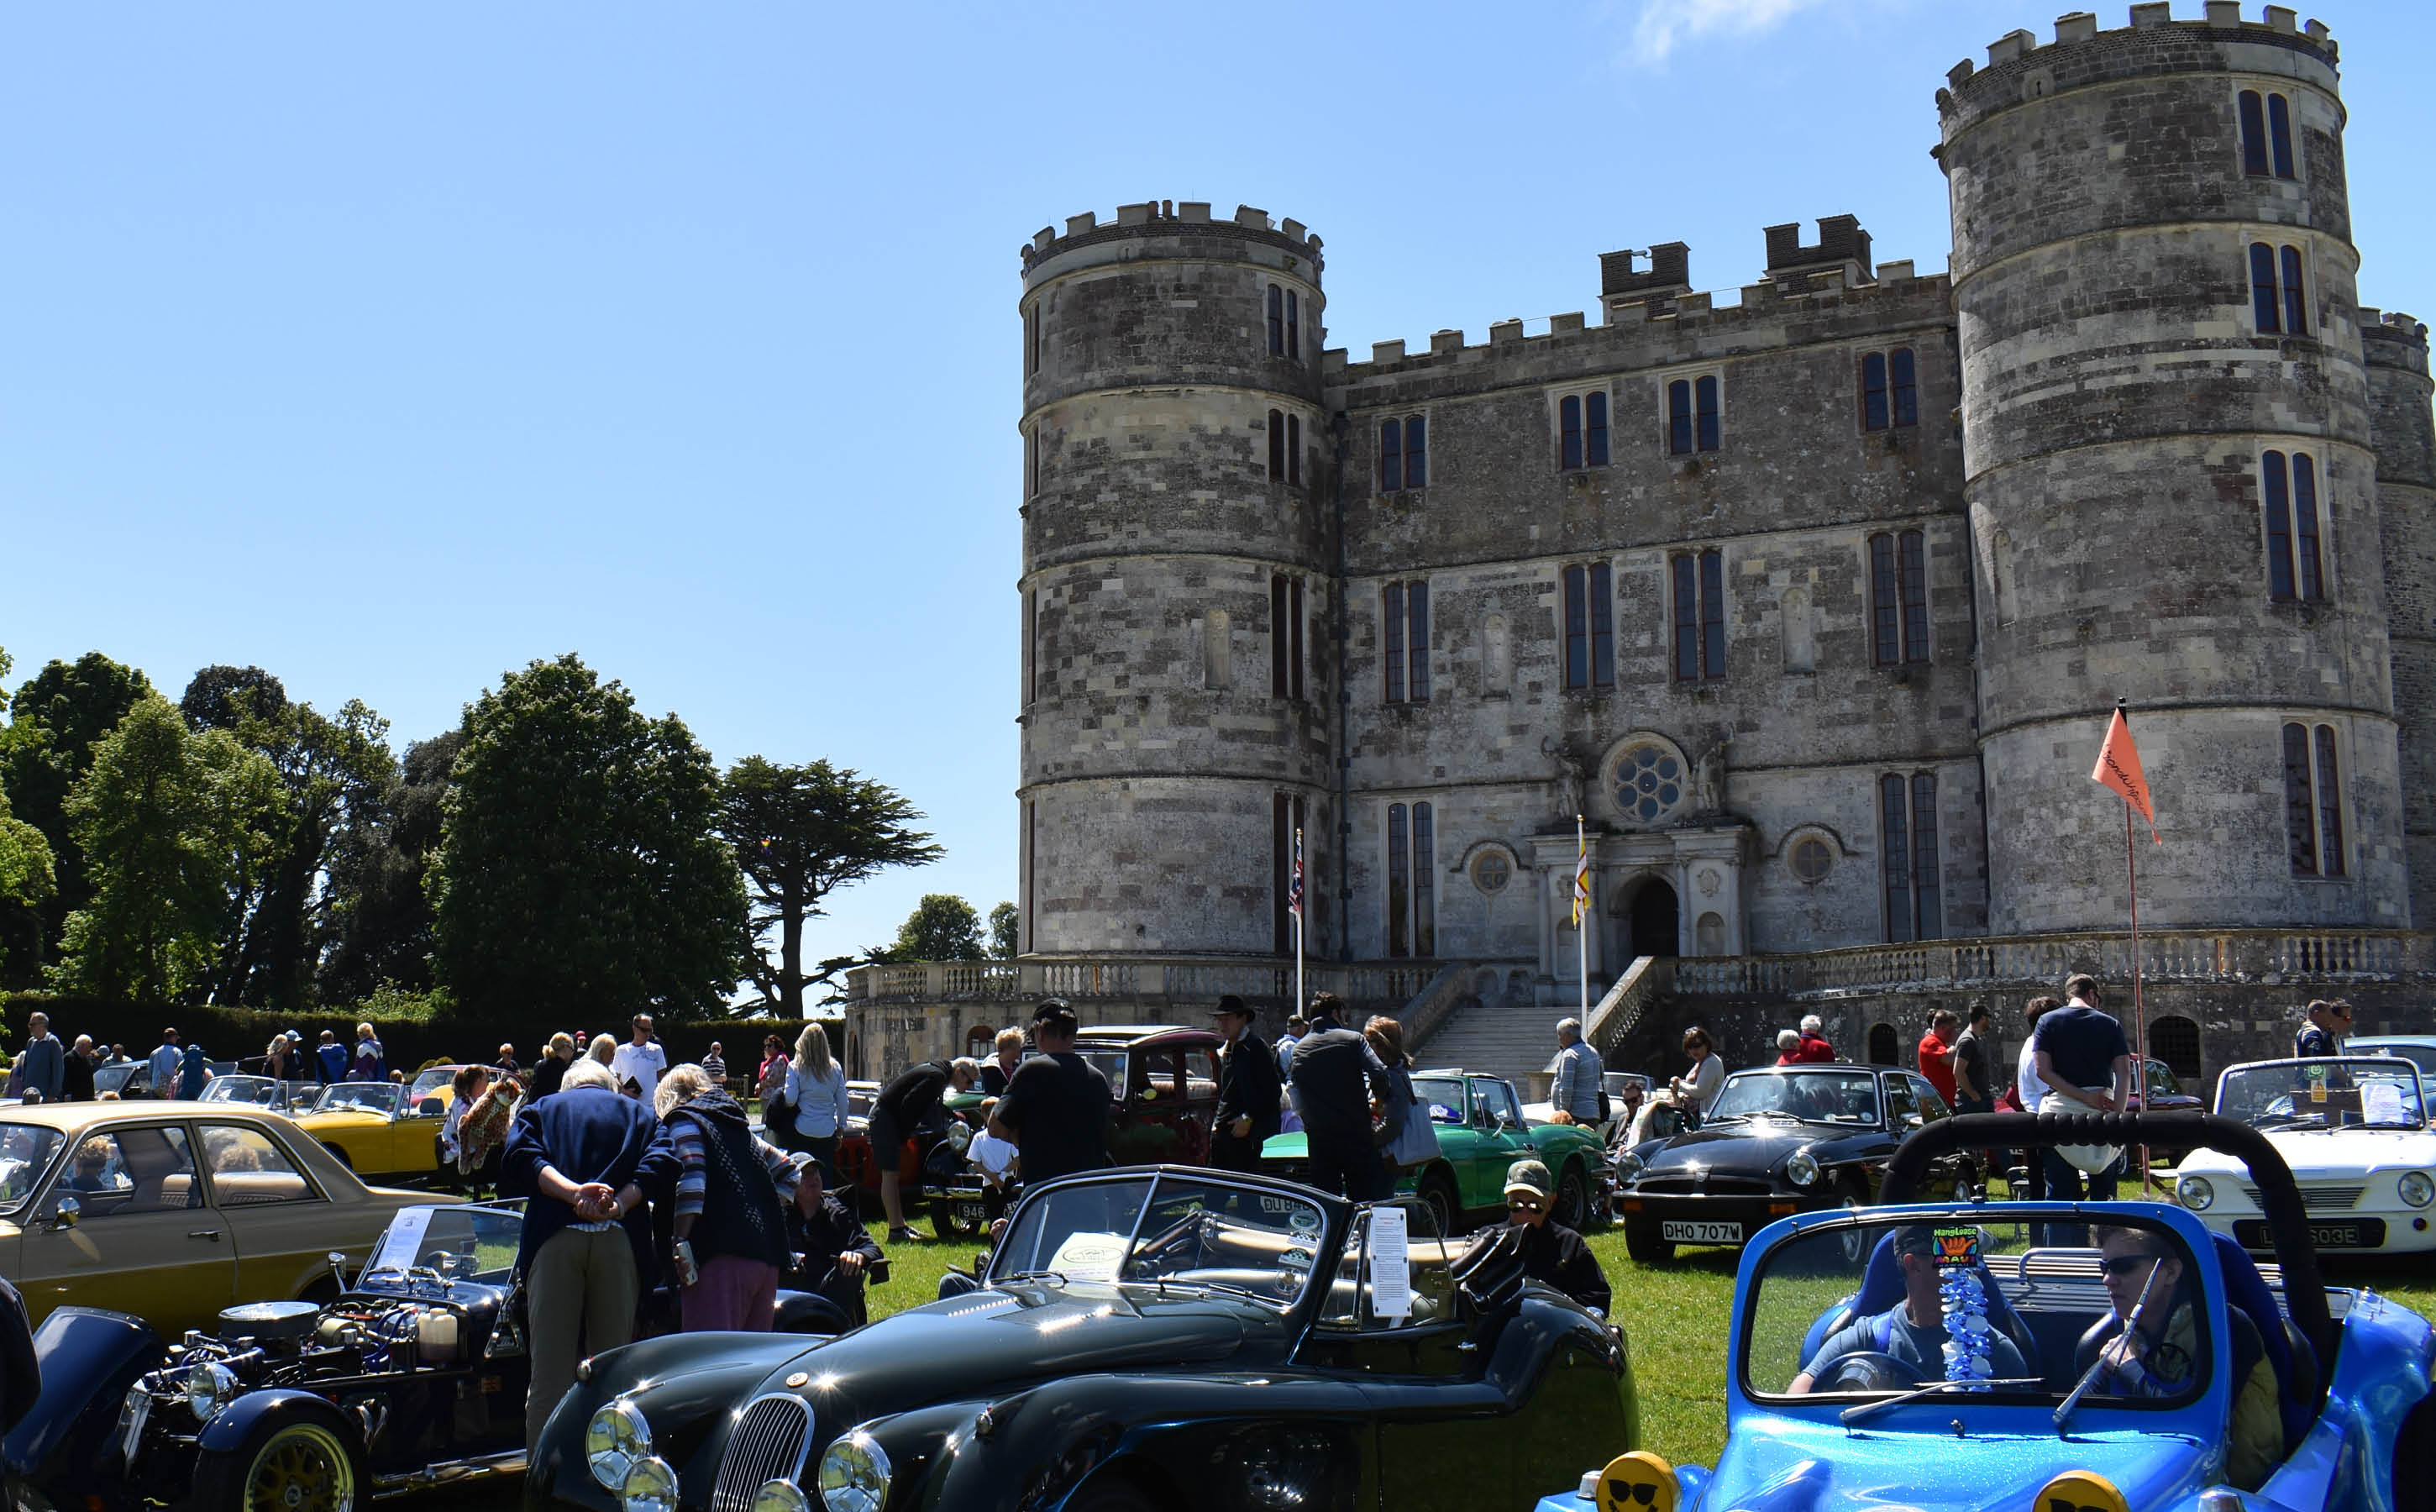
pixel 798 1381
pixel 1638 1482
pixel 2079 1491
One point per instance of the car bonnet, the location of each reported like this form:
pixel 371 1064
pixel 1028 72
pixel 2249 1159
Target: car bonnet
pixel 1908 1458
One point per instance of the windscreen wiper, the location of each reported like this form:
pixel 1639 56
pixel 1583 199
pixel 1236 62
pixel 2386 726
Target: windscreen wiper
pixel 1854 1414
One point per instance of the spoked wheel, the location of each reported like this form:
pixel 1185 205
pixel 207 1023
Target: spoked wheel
pixel 1857 1239
pixel 296 1464
pixel 1439 1194
pixel 1573 1202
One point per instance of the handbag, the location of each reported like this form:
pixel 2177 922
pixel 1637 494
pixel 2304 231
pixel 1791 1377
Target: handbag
pixel 1417 1143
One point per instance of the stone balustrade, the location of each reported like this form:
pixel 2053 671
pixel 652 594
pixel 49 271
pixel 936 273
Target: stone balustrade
pixel 1169 979
pixel 1619 1013
pixel 2267 957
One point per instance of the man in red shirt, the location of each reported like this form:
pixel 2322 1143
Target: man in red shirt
pixel 1815 1048
pixel 1936 1052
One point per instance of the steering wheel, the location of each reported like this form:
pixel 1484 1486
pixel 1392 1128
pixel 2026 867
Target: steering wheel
pixel 1866 1370
pixel 1169 1241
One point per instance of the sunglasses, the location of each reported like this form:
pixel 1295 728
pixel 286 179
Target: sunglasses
pixel 1528 1204
pixel 1621 1491
pixel 2127 1264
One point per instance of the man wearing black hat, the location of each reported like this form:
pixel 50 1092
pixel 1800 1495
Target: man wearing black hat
pixel 1247 1091
pixel 1056 1106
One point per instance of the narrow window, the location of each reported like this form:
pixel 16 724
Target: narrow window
pixel 1905 385
pixel 1032 340
pixel 1294 624
pixel 1873 391
pixel 2272 484
pixel 1894 849
pixel 1293 450
pixel 1400 884
pixel 1294 326
pixel 1886 604
pixel 1595 427
pixel 2296 303
pixel 2254 134
pixel 1276 445
pixel 1577 630
pixel 1031 851
pixel 2304 526
pixel 1032 461
pixel 1417 638
pixel 1278 639
pixel 1678 418
pixel 1705 393
pixel 1912 565
pixel 1712 615
pixel 1277 322
pixel 1417 451
pixel 1391 635
pixel 2300 805
pixel 2330 806
pixel 1030 645
pixel 2279 132
pixel 1425 865
pixel 1391 456
pixel 1927 893
pixel 1569 432
pixel 1687 619
pixel 1602 597
pixel 2263 302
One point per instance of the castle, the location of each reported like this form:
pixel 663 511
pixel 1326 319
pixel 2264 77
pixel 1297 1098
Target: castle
pixel 1814 603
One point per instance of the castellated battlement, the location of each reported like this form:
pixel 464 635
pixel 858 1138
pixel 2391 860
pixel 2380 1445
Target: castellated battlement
pixel 1153 218
pixel 2390 325
pixel 2020 67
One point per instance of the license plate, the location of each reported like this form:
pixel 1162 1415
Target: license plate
pixel 1692 1231
pixel 2335 1236
pixel 2361 1233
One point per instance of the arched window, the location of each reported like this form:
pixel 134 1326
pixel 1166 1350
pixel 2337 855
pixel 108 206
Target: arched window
pixel 1412 868
pixel 2175 1040
pixel 1884 1048
pixel 979 1041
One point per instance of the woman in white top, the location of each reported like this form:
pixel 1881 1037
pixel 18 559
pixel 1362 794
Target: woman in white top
pixel 2031 1090
pixel 1695 1088
pixel 816 1090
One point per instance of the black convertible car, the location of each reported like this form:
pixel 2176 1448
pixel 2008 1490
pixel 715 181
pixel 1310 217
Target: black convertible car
pixel 1149 1337
pixel 1777 1141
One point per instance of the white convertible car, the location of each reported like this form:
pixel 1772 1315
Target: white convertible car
pixel 2354 1130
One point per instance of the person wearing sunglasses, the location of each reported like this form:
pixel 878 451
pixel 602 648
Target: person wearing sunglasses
pixel 1550 1253
pixel 2160 1357
pixel 2322 1034
pixel 1912 1332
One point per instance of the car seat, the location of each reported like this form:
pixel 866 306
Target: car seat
pixel 2249 1345
pixel 2288 1352
pixel 1882 1287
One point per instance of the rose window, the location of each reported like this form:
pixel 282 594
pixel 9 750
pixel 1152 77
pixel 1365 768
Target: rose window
pixel 1648 783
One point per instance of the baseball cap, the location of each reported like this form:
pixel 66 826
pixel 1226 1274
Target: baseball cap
pixel 1054 1013
pixel 1528 1175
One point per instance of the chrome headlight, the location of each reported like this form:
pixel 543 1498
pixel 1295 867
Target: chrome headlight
pixel 2198 1194
pixel 780 1496
pixel 854 1475
pixel 616 1440
pixel 1628 1171
pixel 1802 1169
pixel 651 1487
pixel 959 1135
pixel 2418 1188
pixel 209 1386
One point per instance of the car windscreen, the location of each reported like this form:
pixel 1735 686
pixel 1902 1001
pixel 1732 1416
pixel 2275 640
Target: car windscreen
pixel 1443 1096
pixel 1111 1064
pixel 1872 1308
pixel 438 1079
pixel 2348 1092
pixel 370 1097
pixel 26 1152
pixel 114 1078
pixel 463 1242
pixel 254 1089
pixel 1820 1097
pixel 1168 1231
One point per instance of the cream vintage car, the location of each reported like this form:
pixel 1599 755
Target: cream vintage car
pixel 175 1211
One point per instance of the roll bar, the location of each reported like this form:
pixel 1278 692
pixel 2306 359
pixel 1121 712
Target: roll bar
pixel 2279 1195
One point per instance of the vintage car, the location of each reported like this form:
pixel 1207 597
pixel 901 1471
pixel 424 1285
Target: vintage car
pixel 1481 1133
pixel 1617 1085
pixel 380 1128
pixel 1104 1366
pixel 1164 1080
pixel 268 1093
pixel 1776 1141
pixel 174 1211
pixel 412 1374
pixel 2419 1050
pixel 2354 1131
pixel 1828 1406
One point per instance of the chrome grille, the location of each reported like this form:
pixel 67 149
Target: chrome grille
pixel 770 1438
pixel 2319 1199
pixel 1704 1185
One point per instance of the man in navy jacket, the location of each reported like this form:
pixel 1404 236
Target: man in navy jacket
pixel 584 1157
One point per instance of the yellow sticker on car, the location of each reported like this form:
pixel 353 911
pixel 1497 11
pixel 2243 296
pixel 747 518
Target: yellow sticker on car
pixel 1641 1482
pixel 2079 1491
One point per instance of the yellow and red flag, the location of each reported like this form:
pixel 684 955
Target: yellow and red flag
pixel 2118 767
pixel 1581 871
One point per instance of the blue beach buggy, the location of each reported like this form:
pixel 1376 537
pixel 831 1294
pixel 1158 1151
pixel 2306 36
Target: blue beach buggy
pixel 1936 1357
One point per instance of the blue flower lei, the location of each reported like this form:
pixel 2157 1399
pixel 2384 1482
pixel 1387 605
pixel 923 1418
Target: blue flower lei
pixel 1967 1334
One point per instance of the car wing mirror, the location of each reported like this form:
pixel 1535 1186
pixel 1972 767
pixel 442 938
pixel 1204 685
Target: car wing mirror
pixel 66 1213
pixel 338 1260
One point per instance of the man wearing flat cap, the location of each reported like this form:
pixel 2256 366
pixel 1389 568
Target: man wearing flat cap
pixel 1551 1253
pixel 1247 1091
pixel 1055 1110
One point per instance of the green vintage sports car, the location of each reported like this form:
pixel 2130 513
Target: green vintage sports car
pixel 1481 1132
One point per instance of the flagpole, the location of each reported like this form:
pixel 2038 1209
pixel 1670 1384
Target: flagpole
pixel 2139 1015
pixel 1302 1000
pixel 1582 920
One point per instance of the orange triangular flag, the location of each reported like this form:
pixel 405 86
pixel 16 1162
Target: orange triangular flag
pixel 2118 767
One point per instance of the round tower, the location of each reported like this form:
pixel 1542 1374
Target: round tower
pixel 2398 391
pixel 2169 470
pixel 1174 582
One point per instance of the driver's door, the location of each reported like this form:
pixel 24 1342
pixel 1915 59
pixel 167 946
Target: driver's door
pixel 1503 1142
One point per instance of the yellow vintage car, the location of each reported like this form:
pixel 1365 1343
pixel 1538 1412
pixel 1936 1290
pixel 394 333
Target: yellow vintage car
pixel 383 1128
pixel 174 1211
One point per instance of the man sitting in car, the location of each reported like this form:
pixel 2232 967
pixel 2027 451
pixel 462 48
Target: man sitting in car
pixel 829 1252
pixel 1912 1332
pixel 2161 1358
pixel 1551 1253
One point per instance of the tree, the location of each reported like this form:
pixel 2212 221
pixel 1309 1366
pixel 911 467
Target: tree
pixel 220 698
pixel 1005 923
pixel 942 927
pixel 800 833
pixel 55 719
pixel 26 874
pixel 579 870
pixel 377 926
pixel 173 823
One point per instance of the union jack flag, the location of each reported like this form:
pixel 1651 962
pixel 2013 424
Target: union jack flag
pixel 1294 886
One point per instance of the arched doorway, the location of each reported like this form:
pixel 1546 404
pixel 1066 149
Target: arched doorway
pixel 2175 1040
pixel 1885 1050
pixel 1652 921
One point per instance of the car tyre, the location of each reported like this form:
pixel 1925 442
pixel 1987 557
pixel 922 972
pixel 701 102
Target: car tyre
pixel 1642 1242
pixel 1437 1193
pixel 1852 1199
pixel 1572 1204
pixel 302 1462
pixel 951 1227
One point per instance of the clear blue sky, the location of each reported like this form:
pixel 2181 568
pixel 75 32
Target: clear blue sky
pixel 389 348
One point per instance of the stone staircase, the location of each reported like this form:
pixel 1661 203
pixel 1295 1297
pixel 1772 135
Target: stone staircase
pixel 1518 1042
